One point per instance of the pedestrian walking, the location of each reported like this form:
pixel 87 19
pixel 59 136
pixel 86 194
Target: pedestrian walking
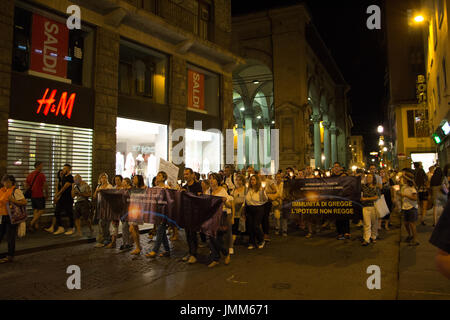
pixel 64 203
pixel 195 188
pixel 370 214
pixel 255 201
pixel 138 187
pixel 161 234
pixel 104 234
pixel 81 192
pixel 9 194
pixel 216 244
pixel 409 198
pixel 127 241
pixel 36 187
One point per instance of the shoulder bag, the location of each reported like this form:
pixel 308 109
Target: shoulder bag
pixel 17 214
pixel 28 192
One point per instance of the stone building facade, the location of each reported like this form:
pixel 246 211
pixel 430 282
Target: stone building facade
pixel 188 35
pixel 291 82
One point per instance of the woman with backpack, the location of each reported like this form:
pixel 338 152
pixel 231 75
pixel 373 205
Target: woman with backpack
pixel 12 195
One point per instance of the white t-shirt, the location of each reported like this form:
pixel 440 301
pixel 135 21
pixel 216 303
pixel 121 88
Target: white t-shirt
pixel 255 198
pixel 222 193
pixel 407 203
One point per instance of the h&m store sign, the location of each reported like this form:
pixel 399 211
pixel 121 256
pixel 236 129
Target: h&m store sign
pixel 47 101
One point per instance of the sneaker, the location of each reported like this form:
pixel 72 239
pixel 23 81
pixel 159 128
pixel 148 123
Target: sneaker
pixel 251 247
pixel 59 231
pixel 341 237
pixel 136 251
pixel 51 230
pixel 186 258
pixel 365 244
pixel 70 232
pixel 284 234
pixel 192 260
pixel 213 264
pixel 151 254
pixel 112 245
pixel 99 245
pixel 373 240
pixel 261 245
pixel 227 260
pixel 231 251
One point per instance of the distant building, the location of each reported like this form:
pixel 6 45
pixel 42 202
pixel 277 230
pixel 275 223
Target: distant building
pixel 357 152
pixel 408 117
pixel 290 82
pixel 437 58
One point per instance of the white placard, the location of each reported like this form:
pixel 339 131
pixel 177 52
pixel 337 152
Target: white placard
pixel 171 170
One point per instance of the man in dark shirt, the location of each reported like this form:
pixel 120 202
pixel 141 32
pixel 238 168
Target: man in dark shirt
pixel 194 187
pixel 64 201
pixel 440 238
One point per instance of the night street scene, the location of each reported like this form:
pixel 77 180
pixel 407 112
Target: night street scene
pixel 256 153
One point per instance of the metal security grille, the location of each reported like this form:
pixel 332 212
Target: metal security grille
pixel 54 145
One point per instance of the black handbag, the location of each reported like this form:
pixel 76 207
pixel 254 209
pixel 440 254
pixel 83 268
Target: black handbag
pixel 28 192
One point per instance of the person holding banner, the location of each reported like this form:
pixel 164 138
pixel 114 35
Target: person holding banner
pixel 216 244
pixel 277 202
pixel 161 235
pixel 255 201
pixel 370 215
pixel 194 187
pixel 138 187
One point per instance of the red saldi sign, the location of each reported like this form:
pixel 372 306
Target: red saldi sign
pixel 196 90
pixel 49 46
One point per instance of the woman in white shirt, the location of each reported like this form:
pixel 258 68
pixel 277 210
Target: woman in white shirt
pixel 216 244
pixel 255 201
pixel 409 207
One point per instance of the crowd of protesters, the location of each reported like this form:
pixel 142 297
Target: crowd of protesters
pixel 250 199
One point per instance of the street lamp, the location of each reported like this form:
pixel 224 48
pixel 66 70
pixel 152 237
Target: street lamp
pixel 380 129
pixel 419 18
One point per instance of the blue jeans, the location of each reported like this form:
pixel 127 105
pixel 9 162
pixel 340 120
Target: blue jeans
pixel 161 238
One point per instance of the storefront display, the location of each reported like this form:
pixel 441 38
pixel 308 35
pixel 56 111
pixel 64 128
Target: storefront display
pixel 139 146
pixel 203 151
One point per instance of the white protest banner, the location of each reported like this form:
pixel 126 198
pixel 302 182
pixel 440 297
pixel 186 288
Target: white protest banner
pixel 171 170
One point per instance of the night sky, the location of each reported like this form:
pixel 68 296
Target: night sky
pixel 358 51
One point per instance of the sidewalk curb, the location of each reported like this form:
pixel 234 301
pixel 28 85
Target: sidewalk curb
pixel 59 245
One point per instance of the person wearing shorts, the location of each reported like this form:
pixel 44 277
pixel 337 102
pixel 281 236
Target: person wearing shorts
pixel 39 193
pixel 81 193
pixel 409 207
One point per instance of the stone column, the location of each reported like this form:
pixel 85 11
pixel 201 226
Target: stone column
pixel 6 43
pixel 178 105
pixel 326 143
pixel 106 102
pixel 333 131
pixel 317 144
